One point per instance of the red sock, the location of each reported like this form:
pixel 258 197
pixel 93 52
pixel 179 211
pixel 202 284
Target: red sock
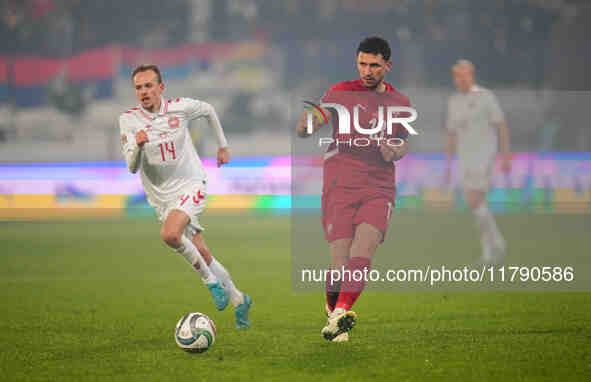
pixel 332 292
pixel 353 282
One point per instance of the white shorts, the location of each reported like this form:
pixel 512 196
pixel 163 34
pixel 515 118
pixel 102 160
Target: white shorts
pixel 192 202
pixel 476 177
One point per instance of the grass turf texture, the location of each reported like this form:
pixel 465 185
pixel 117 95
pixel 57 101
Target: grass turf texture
pixel 99 300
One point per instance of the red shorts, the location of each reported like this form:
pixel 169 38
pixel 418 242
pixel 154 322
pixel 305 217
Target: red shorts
pixel 343 209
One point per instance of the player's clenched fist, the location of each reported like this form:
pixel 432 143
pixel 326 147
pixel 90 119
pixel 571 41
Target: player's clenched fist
pixel 223 156
pixel 141 137
pixel 393 153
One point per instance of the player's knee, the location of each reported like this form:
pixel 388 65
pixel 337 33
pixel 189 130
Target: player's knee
pixel 470 201
pixel 368 246
pixel 366 241
pixel 205 253
pixel 473 203
pixel 474 198
pixel 171 238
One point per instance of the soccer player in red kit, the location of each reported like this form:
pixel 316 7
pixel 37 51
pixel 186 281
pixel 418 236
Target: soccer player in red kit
pixel 358 179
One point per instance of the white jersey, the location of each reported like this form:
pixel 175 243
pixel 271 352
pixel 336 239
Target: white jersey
pixel 473 116
pixel 168 162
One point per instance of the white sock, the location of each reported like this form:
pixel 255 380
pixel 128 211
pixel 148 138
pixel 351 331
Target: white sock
pixel 193 257
pixel 490 233
pixel 222 274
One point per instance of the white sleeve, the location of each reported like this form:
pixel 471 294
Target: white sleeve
pixel 450 123
pixel 129 148
pixel 198 109
pixel 496 114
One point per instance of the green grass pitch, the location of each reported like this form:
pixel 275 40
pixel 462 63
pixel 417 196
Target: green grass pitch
pixel 86 301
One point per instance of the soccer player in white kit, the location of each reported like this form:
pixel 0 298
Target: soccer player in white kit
pixel 155 140
pixel 474 120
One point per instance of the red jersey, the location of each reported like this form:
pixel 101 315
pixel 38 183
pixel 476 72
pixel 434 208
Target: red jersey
pixel 357 165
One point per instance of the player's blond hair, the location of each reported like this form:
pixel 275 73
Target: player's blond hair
pixel 463 62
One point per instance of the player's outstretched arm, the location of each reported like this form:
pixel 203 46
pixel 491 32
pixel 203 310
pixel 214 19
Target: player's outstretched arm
pixel 449 152
pixel 302 127
pixel 451 125
pixel 214 123
pixel 505 146
pixel 198 109
pixel 223 155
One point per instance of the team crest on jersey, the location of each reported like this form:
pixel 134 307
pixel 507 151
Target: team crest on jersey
pixel 174 122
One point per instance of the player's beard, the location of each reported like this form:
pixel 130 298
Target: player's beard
pixel 374 84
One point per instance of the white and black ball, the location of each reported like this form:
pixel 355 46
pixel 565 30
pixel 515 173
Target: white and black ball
pixel 195 332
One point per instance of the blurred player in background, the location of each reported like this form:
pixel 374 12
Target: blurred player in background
pixel 155 140
pixel 474 119
pixel 358 181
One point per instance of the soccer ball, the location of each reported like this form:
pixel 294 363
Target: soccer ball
pixel 195 333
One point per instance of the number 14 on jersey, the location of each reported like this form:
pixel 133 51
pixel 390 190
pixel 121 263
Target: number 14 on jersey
pixel 167 150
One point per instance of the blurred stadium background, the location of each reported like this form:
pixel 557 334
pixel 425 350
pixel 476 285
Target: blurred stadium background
pixel 64 78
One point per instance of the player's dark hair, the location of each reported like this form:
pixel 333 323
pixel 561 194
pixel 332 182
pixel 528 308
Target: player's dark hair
pixel 145 68
pixel 375 45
